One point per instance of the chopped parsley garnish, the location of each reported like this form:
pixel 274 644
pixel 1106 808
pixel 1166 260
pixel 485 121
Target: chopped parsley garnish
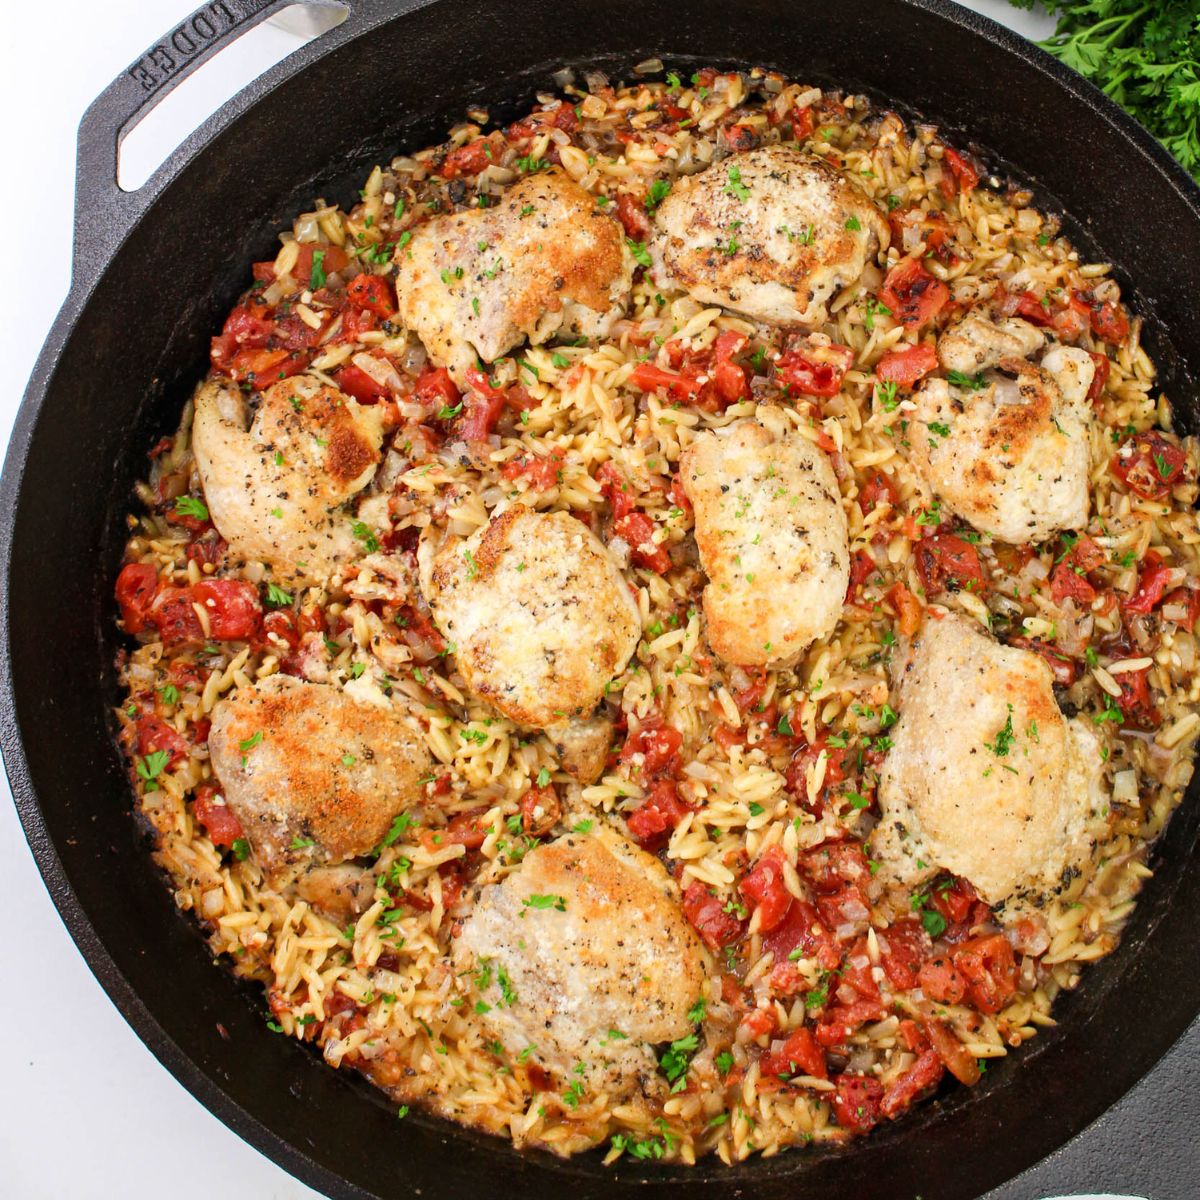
pixel 675 1061
pixel 169 695
pixel 640 253
pixel 249 743
pixel 363 533
pixel 657 193
pixel 537 900
pixel 582 826
pixel 241 849
pixel 854 224
pixel 543 777
pixel 277 596
pixel 735 186
pixel 972 383
pixel 1004 739
pixel 316 278
pixel 300 843
pixel 192 506
pixel 152 766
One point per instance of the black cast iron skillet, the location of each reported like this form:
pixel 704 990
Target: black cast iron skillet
pixel 156 270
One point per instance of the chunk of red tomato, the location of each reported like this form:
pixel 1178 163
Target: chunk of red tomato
pixel 764 887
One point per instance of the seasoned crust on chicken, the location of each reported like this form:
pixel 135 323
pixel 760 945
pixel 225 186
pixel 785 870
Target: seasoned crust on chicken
pixel 587 936
pixel 772 537
pixel 538 612
pixel 770 233
pixel 985 777
pixel 314 775
pixel 277 485
pixel 977 343
pixel 545 260
pixel 1013 456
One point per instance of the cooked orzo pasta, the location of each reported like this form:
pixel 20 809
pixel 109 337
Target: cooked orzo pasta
pixel 669 626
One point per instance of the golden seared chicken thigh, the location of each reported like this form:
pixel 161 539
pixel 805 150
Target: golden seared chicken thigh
pixel 543 261
pixel 314 775
pixel 538 611
pixel 986 778
pixel 1009 450
pixel 277 484
pixel 583 955
pixel 771 233
pixel 772 537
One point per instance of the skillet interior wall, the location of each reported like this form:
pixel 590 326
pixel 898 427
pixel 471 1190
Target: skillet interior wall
pixel 140 343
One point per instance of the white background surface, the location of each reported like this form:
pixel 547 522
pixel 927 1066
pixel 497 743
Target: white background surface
pixel 86 1111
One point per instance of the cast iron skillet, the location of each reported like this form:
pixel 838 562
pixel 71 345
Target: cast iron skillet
pixel 154 273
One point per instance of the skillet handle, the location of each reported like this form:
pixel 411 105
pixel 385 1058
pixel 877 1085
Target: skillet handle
pixel 104 213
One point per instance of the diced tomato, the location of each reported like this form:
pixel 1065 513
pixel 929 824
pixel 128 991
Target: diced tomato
pixel 650 378
pixel 1068 584
pixel 1099 379
pixel 280 624
pixel 1108 320
pixel 961 1064
pixel 907 945
pixel 473 157
pixel 465 829
pixel 542 471
pixel 436 390
pixel 877 489
pixel 862 566
pixel 766 890
pixel 817 373
pixel 372 292
pixel 796 775
pixel 1037 310
pixel 354 381
pixel 172 613
pixel 946 562
pixel 919 1078
pixel 708 917
pixel 759 1022
pixel 1135 700
pixel 905 367
pixel 802 930
pixel 218 819
pixel 953 900
pixel 962 175
pixel 631 212
pixel 540 810
pixel 155 735
pixel 843 1021
pixel 798 1054
pixel 232 605
pixel 941 981
pixel 482 407
pixel 333 259
pixel 658 743
pixel 846 907
pixel 803 122
pixel 1084 553
pixel 990 970
pixel 653 820
pixel 248 327
pixel 1149 464
pixel 1188 598
pixel 1151 586
pixel 731 383
pixel 261 368
pixel 913 294
pixel 741 137
pixel 637 529
pixel 831 865
pixel 856 1100
pixel 678 496
pixel 1064 668
pixel 135 589
pixel 908 609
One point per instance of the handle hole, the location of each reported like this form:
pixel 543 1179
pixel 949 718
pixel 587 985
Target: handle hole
pixel 160 131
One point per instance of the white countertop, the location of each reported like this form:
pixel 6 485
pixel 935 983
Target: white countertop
pixel 86 1111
